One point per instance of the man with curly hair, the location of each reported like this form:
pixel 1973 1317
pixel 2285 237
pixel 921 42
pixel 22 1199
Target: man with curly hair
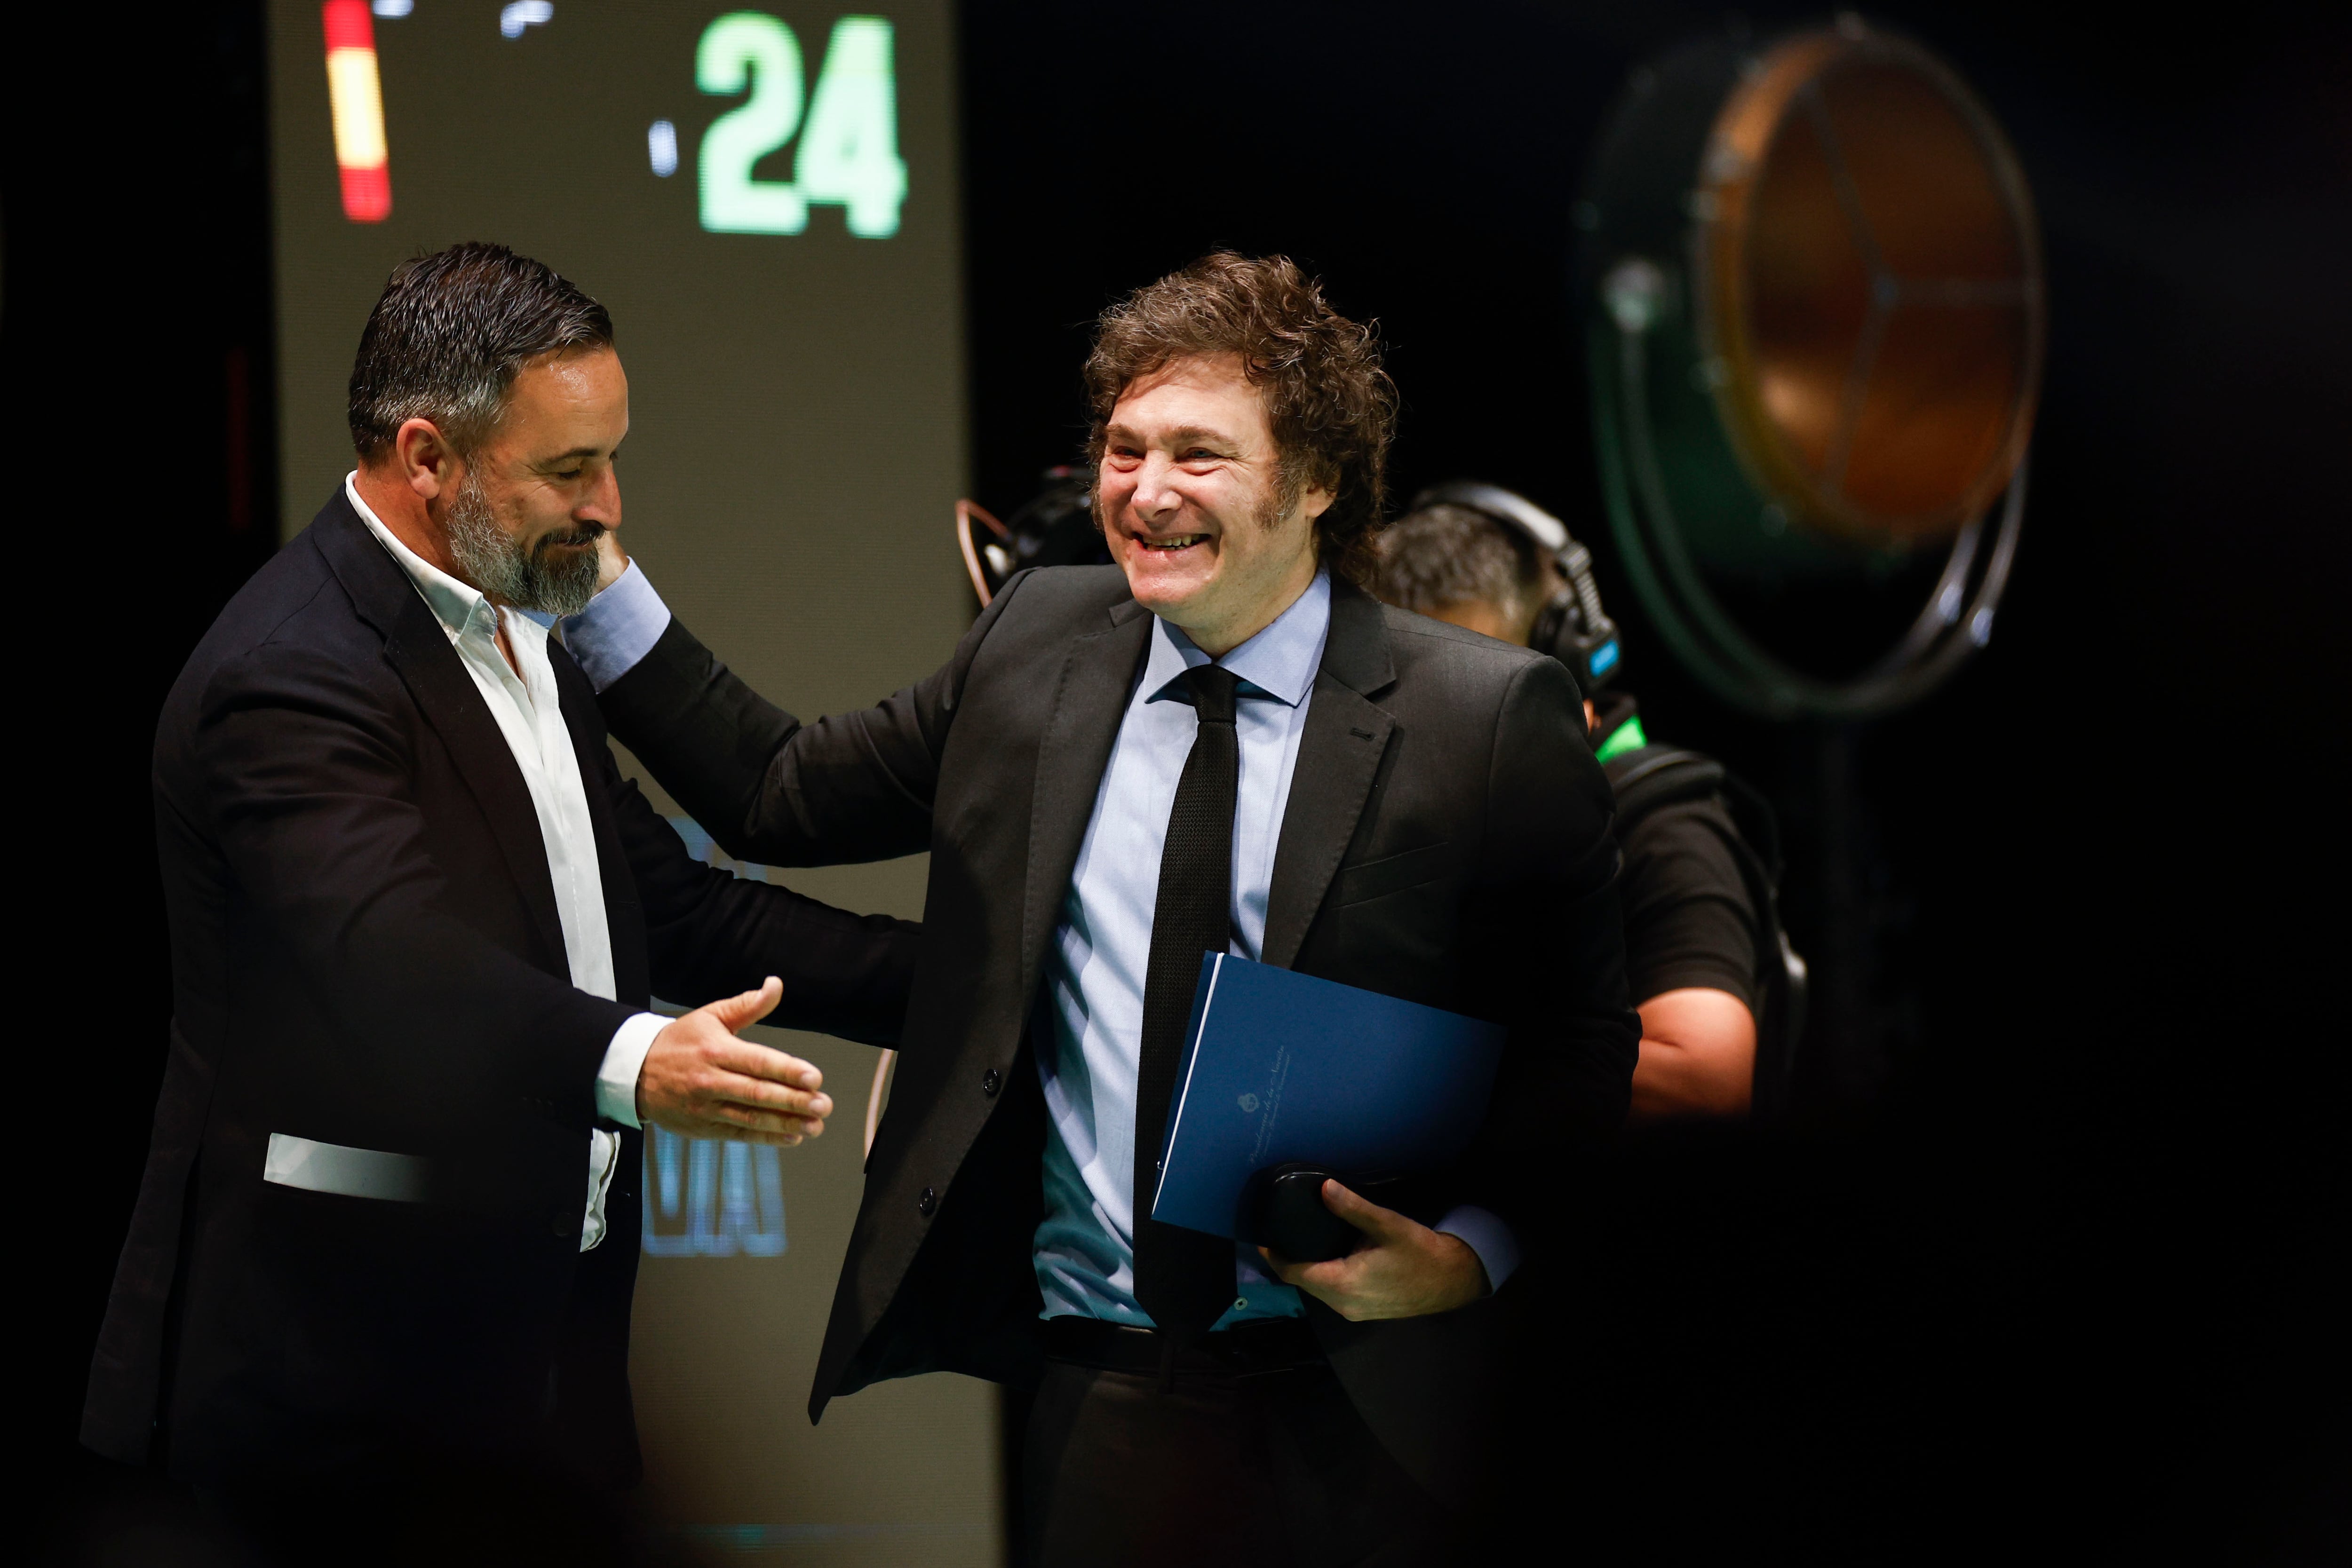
pixel 1219 743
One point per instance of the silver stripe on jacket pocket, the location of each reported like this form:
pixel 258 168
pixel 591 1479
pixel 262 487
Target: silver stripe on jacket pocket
pixel 352 1173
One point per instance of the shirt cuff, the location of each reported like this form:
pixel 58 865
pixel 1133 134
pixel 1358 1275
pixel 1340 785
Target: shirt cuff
pixel 616 1079
pixel 619 627
pixel 1489 1237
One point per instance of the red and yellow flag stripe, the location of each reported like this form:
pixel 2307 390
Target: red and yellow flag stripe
pixel 356 91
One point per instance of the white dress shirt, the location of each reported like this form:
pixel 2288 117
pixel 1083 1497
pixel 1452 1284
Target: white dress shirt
pixel 530 714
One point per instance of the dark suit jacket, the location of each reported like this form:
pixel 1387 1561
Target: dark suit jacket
pixel 366 951
pixel 1446 840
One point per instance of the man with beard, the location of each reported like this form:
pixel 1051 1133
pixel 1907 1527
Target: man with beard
pixel 388 1230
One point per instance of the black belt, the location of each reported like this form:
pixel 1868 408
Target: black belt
pixel 1245 1350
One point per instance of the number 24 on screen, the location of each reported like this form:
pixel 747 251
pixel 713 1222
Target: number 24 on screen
pixel 848 139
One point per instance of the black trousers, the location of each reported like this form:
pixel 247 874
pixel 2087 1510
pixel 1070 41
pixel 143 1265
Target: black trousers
pixel 561 1494
pixel 1214 1463
pixel 418 1512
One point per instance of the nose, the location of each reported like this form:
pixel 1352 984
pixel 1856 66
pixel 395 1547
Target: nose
pixel 603 502
pixel 1154 498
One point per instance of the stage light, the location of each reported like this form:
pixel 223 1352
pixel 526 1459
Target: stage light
pixel 1812 284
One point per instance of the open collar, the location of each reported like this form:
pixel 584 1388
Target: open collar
pixel 419 649
pixel 461 608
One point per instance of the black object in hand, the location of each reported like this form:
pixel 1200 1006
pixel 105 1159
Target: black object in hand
pixel 1293 1219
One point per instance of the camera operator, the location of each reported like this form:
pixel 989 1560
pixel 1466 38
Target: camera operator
pixel 1711 975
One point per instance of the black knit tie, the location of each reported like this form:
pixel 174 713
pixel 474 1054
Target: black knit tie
pixel 1184 1278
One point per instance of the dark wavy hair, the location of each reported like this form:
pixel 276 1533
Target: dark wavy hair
pixel 449 336
pixel 1331 407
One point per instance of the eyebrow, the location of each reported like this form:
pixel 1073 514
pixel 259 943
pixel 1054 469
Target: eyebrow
pixel 1181 435
pixel 575 452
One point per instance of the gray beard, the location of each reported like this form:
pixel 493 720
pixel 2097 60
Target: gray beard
pixel 502 566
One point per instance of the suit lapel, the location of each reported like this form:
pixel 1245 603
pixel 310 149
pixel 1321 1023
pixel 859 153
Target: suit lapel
pixel 1339 758
pixel 435 676
pixel 1081 726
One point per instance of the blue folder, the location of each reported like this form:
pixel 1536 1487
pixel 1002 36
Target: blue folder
pixel 1280 1066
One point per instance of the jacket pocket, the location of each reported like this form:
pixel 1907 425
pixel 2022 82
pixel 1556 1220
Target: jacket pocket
pixel 1390 874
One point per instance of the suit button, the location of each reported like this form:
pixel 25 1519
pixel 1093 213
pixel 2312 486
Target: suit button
pixel 929 1201
pixel 565 1224
pixel 990 1082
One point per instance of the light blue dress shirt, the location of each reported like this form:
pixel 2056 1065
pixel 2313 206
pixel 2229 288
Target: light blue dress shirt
pixel 618 630
pixel 1089 1023
pixel 1090 1011
pixel 1089 1019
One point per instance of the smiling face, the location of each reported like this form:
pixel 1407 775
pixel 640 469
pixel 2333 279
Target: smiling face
pixel 1189 498
pixel 546 473
pixel 520 516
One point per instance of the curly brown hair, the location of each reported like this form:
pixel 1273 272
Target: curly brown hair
pixel 1330 406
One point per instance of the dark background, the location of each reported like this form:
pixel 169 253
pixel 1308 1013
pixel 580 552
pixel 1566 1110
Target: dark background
pixel 2050 1268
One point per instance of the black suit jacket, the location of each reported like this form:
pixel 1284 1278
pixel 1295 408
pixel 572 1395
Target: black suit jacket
pixel 1446 840
pixel 366 952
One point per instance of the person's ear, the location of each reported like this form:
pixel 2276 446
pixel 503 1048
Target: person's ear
pixel 1316 502
pixel 428 465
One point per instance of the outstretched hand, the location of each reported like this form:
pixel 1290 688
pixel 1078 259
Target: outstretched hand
pixel 698 1079
pixel 1404 1270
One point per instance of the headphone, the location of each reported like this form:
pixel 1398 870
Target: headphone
pixel 1572 627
